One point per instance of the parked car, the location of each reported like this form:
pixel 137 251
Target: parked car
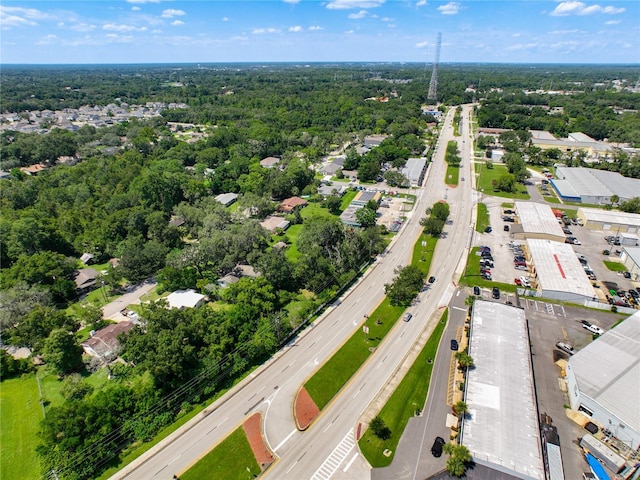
pixel 508 219
pixel 519 258
pixel 626 274
pixel 495 292
pixel 506 228
pixel 454 344
pixel 592 328
pixel 583 260
pixel 525 282
pixel 436 449
pixel 565 347
pixel 486 276
pixel 567 231
pixel 488 230
pixel 407 316
pixel 432 279
pixel 484 248
pixel 508 212
pixel 476 290
pixel 521 267
pixel 606 252
pixel 517 281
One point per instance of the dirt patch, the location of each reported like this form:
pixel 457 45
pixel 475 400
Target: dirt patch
pixel 253 431
pixel 305 409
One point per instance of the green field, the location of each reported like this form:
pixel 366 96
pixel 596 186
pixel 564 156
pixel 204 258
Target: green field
pixel 20 414
pixel 615 266
pixel 231 460
pixel 403 403
pixel 485 177
pixel 483 218
pixel 452 175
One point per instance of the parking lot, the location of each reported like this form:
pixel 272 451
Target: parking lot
pixel 550 323
pixel 592 244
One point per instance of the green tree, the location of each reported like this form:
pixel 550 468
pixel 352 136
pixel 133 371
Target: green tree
pixel 61 352
pixel 506 183
pixel 464 360
pixel 631 206
pixel 379 428
pixel 459 458
pixel 460 408
pixel 440 210
pixel 614 199
pixel 366 217
pixel 394 178
pixel 333 203
pixel 432 225
pixel 405 285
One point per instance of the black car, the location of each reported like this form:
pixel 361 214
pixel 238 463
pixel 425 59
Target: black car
pixel 509 212
pixel 436 449
pixel 495 292
pixel 626 274
pixel 488 230
pixel 432 279
pixel 506 228
pixel 454 344
pixel 476 290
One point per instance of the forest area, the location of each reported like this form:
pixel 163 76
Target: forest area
pixel 131 181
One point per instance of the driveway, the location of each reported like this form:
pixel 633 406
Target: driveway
pixel 111 311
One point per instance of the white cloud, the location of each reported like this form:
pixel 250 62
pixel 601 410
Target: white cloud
pixel 136 9
pixel 123 28
pixel 346 4
pixel 172 12
pixel 612 22
pixel 292 2
pixel 521 46
pixel 451 8
pixel 349 32
pixel 315 28
pixel 297 28
pixel 516 35
pixel 177 23
pixel 391 25
pixel 225 19
pixel 47 40
pixel 562 32
pixel 262 31
pixel 20 17
pixel 82 27
pixel 387 19
pixel 143 1
pixel 421 3
pixel 356 16
pixel 579 8
pixel 115 38
pixel 422 44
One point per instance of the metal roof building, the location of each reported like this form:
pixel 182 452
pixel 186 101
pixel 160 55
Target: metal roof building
pixel 630 257
pixel 559 273
pixel 604 381
pixel 588 185
pixel 537 221
pixel 414 170
pixel 501 429
pixel 610 220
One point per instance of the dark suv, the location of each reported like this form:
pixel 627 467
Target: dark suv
pixel 495 292
pixel 436 449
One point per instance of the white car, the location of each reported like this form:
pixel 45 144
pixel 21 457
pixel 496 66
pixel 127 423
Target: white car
pixel 592 328
pixel 565 347
pixel 525 282
pixel 407 316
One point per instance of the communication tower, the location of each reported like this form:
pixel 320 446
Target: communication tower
pixel 433 85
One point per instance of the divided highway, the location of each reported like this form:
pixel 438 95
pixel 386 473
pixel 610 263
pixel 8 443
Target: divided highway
pixel 328 446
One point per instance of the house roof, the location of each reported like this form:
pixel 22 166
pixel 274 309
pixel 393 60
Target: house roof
pixel 105 341
pixel 86 258
pixel 227 198
pixel 85 277
pixel 291 203
pixel 269 162
pixel 272 223
pixel 610 216
pixel 539 218
pixel 184 299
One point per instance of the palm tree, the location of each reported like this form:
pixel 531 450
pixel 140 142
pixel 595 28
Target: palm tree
pixel 614 199
pixel 464 360
pixel 459 457
pixel 460 408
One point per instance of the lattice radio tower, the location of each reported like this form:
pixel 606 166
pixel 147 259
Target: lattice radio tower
pixel 433 85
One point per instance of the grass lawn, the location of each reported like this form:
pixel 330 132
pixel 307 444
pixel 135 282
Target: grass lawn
pixel 472 275
pixel 20 417
pixel 403 403
pixel 452 175
pixel 483 218
pixel 347 197
pixel 487 175
pixel 232 460
pixel 332 376
pixel 507 205
pixel 614 266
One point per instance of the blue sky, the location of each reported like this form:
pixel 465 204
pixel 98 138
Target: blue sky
pixel 150 31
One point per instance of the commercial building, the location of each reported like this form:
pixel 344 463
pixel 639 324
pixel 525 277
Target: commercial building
pixel 575 142
pixel 536 221
pixel 559 274
pixel 501 429
pixel 603 381
pixel 630 257
pixel 609 220
pixel 365 196
pixel 414 170
pixel 587 185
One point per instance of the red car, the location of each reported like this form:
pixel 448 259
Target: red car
pixel 518 281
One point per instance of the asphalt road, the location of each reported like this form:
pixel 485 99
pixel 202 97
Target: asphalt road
pixel 271 388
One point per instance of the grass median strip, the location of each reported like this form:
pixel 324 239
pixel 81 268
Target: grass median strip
pixel 333 375
pixel 453 172
pixel 232 460
pixel 409 397
pixel 615 266
pixel 483 218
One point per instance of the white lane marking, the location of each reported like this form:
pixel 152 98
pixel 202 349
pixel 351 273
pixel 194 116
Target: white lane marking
pixel 285 440
pixel 353 459
pixel 335 459
pixel 460 308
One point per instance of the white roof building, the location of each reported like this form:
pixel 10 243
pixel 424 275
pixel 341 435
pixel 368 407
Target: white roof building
pixel 560 274
pixel 185 299
pixel 227 199
pixel 612 220
pixel 604 381
pixel 414 170
pixel 537 221
pixel 588 185
pixel 501 429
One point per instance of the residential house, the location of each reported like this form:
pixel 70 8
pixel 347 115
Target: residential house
pixel 85 279
pixel 227 199
pixel 291 204
pixel 104 343
pixel 269 162
pixel 182 299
